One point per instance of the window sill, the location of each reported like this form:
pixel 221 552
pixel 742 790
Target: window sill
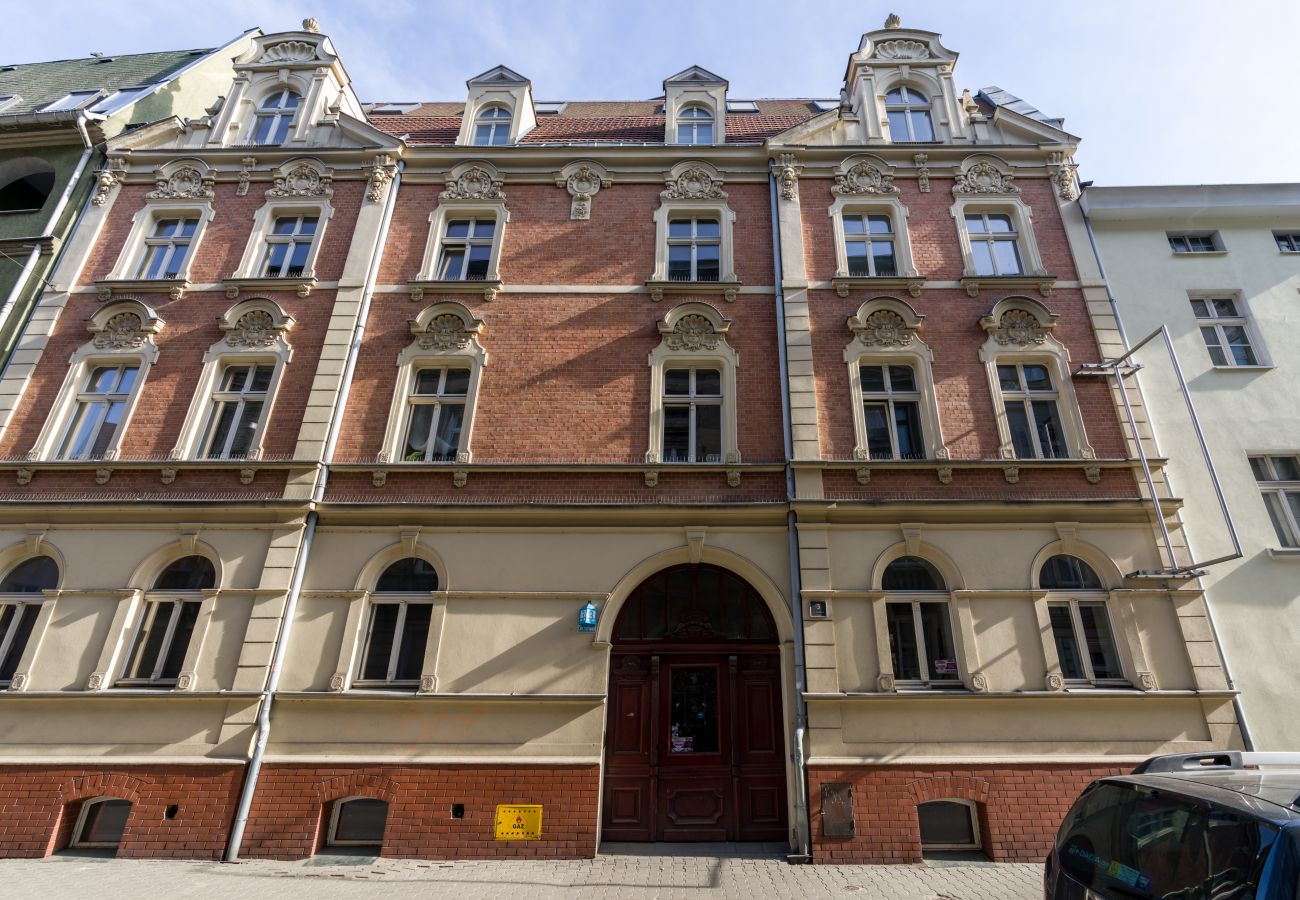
pixel 301 285
pixel 109 288
pixel 1291 554
pixel 728 289
pixel 1198 253
pixel 488 287
pixel 1254 368
pixel 974 283
pixel 845 283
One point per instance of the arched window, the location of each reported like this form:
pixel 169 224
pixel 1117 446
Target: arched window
pixel 101 823
pixel 948 825
pixel 1081 629
pixel 20 603
pixel 909 115
pixel 358 822
pixel 275 117
pixel 397 634
pixel 492 126
pixel 171 610
pixel 694 126
pixel 694 603
pixel 921 646
pixel 25 184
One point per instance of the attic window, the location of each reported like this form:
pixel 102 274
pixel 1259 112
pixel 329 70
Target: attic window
pixel 70 101
pixel 550 108
pixel 7 100
pixel 393 109
pixel 826 105
pixel 742 106
pixel 119 99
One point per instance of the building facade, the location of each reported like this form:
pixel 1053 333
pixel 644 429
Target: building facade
pixel 695 468
pixel 1217 265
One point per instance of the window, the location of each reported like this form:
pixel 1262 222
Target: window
pixel 891 405
pixel 492 127
pixel 288 246
pixel 1033 416
pixel 948 825
pixel 1224 330
pixel 237 407
pixel 1068 573
pixel 869 246
pixel 436 414
pixel 166 249
pixel 167 623
pixel 274 118
pixel 1287 241
pixel 466 250
pixel 694 126
pixel 101 823
pixel 358 822
pixel 1084 642
pixel 71 100
pixel 20 603
pixel 909 115
pixel 692 415
pixel 397 634
pixel 694 249
pixel 921 646
pixel 25 184
pixel 1279 479
pixel 994 244
pixel 1195 241
pixel 98 411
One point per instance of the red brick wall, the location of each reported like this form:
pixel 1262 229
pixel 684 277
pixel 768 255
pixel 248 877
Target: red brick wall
pixel 39 806
pixel 290 815
pixel 1020 807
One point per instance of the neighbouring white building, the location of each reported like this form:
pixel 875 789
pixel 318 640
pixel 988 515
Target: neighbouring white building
pixel 1220 266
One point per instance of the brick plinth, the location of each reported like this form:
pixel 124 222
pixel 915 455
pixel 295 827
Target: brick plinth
pixel 39 806
pixel 1019 807
pixel 290 815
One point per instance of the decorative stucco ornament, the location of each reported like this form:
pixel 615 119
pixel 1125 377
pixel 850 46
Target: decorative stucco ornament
pixel 186 182
pixel 788 176
pixel 381 175
pixel 445 332
pixel 107 179
pixel 1019 328
pixel 693 332
pixel 245 175
pixel 301 181
pixel 893 21
pixel 902 50
pixel 864 178
pixel 582 186
pixel 694 184
pixel 123 331
pixel 288 52
pixel 885 328
pixel 1063 169
pixel 922 172
pixel 311 25
pixel 255 328
pixel 984 178
pixel 474 184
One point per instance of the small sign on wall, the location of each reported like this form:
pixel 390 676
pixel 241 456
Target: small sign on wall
pixel 519 823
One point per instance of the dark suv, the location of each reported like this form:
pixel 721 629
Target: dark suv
pixel 1218 826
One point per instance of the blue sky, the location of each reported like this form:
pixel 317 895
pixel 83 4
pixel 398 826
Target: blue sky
pixel 1187 92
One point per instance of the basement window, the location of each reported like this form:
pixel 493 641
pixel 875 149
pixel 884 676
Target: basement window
pixel 358 822
pixel 101 823
pixel 948 825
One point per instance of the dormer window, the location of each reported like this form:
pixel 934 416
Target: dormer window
pixel 695 126
pixel 909 115
pixel 274 118
pixel 492 127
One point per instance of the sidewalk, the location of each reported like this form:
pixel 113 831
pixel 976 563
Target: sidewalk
pixel 622 872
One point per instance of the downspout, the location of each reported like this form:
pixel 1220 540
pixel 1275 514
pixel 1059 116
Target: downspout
pixel 1246 739
pixel 48 231
pixel 309 530
pixel 802 832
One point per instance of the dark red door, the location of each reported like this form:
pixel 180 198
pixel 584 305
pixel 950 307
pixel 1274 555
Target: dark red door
pixel 693 748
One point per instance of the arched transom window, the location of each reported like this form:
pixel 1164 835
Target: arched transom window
pixel 21 593
pixel 694 126
pixel 397 633
pixel 1081 629
pixel 921 646
pixel 171 610
pixel 694 603
pixel 492 126
pixel 909 115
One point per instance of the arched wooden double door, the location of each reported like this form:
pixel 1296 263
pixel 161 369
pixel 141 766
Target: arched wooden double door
pixel 694 747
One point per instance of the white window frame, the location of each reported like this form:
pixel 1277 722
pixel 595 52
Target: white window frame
pixel 452 210
pixel 897 213
pixel 154 600
pixel 1021 215
pixel 1072 601
pixel 332 841
pixel 19 603
pixel 1186 236
pixel 1243 320
pixel 85 359
pixel 692 401
pixel 1048 352
pixel 439 400
pixel 1026 398
pixel 672 353
pixel 219 398
pixel 130 260
pixel 403 601
pixel 972 810
pixel 236 348
pixel 712 208
pixel 1287 241
pixel 252 265
pixel 915 599
pixel 694 242
pixel 487 117
pixel 76 841
pixel 433 348
pixel 992 239
pixel 446 244
pixel 292 240
pixel 689 116
pixel 262 111
pixel 1274 494
pixel 907 107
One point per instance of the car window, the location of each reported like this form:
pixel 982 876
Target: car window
pixel 1130 840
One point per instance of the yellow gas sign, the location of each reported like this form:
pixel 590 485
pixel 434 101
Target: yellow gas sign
pixel 519 823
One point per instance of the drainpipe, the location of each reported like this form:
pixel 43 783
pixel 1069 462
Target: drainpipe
pixel 309 531
pixel 1246 739
pixel 802 834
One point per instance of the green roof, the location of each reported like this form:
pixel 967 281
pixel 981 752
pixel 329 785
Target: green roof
pixel 39 84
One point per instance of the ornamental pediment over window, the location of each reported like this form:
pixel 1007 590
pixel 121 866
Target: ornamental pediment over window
pixel 446 327
pixel 477 180
pixel 1019 322
pixel 307 178
pixel 865 175
pixel 885 323
pixel 693 180
pixel 983 175
pixel 187 179
pixel 124 326
pixel 255 324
